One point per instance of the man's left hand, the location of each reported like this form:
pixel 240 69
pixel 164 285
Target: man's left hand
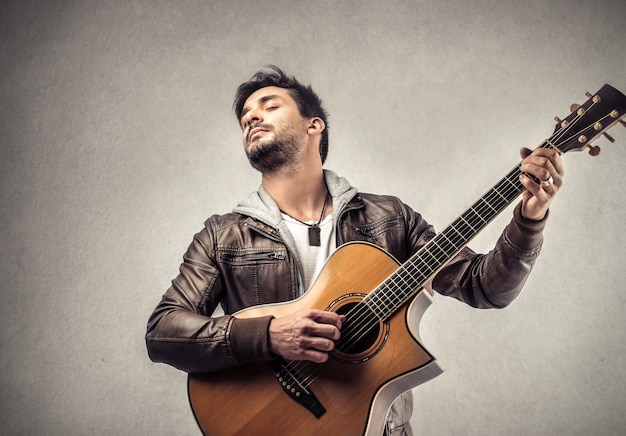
pixel 546 166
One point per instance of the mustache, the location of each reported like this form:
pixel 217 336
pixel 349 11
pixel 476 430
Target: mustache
pixel 254 126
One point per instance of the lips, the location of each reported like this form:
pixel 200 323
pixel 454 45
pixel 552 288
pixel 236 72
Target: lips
pixel 255 131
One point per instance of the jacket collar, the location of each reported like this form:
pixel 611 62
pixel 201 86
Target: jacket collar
pixel 261 206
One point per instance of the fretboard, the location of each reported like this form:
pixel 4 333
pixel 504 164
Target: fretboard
pixel 416 271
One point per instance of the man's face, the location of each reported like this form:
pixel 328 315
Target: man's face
pixel 273 130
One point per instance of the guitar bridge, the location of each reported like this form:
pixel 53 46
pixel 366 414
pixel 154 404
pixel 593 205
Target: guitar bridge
pixel 288 381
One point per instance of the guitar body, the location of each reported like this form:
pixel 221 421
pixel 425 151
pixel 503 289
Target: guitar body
pixel 355 387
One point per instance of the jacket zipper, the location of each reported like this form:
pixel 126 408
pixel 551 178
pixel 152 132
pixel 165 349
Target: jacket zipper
pixel 295 262
pixel 255 256
pixel 369 232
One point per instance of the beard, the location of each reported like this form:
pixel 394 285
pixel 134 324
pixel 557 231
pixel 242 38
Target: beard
pixel 278 152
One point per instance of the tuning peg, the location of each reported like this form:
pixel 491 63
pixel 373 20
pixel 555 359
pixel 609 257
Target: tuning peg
pixel 622 123
pixel 594 150
pixel 594 98
pixel 573 108
pixel 562 123
pixel 609 137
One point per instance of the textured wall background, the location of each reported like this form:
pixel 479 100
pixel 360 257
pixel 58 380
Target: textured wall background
pixel 117 141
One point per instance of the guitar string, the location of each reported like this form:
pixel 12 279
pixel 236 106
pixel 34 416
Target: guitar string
pixel 511 188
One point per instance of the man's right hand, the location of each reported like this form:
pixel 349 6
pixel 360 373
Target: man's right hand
pixel 305 335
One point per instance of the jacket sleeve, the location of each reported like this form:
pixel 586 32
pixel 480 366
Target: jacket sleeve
pixel 494 279
pixel 181 331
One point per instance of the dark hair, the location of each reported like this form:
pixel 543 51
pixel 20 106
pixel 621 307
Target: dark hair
pixel 309 104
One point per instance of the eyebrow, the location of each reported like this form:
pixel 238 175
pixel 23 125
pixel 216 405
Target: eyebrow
pixel 261 100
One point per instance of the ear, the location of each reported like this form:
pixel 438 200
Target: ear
pixel 316 126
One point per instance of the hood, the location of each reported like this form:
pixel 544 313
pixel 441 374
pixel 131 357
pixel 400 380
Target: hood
pixel 260 205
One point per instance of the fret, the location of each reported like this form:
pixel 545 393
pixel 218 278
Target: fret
pixel 380 300
pixel 478 215
pixel 488 205
pixel 452 227
pixel 461 225
pixel 498 192
pixel 404 284
pixel 468 223
pixel 394 297
pixel 512 183
pixel 414 269
pixel 435 242
pixel 445 236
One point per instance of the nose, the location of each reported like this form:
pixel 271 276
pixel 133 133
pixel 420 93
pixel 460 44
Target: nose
pixel 252 116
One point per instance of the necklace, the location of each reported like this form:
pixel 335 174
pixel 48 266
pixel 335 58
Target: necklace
pixel 314 229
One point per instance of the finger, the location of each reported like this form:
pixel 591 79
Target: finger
pixel 325 317
pixel 533 187
pixel 321 344
pixel 314 349
pixel 542 169
pixel 314 323
pixel 525 152
pixel 313 356
pixel 323 331
pixel 550 155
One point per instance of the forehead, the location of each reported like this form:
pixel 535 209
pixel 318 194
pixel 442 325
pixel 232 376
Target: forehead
pixel 262 95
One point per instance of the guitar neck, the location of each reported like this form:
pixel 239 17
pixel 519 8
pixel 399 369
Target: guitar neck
pixel 587 121
pixel 404 283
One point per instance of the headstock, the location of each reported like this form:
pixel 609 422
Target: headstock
pixel 594 117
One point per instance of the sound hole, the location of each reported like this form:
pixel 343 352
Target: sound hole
pixel 362 334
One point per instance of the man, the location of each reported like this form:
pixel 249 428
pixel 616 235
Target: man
pixel 271 247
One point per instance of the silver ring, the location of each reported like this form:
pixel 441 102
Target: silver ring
pixel 547 182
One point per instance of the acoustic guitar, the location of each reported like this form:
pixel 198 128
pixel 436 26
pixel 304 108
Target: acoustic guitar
pixel 380 354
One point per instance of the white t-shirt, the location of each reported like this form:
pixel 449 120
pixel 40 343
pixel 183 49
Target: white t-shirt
pixel 312 258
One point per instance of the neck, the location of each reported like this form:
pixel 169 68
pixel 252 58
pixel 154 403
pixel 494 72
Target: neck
pixel 300 194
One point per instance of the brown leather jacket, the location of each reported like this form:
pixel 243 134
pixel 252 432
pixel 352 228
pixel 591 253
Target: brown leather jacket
pixel 246 258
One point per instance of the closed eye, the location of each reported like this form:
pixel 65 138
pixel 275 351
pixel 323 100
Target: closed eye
pixel 267 102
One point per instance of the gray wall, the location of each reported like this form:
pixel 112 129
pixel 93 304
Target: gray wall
pixel 118 140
